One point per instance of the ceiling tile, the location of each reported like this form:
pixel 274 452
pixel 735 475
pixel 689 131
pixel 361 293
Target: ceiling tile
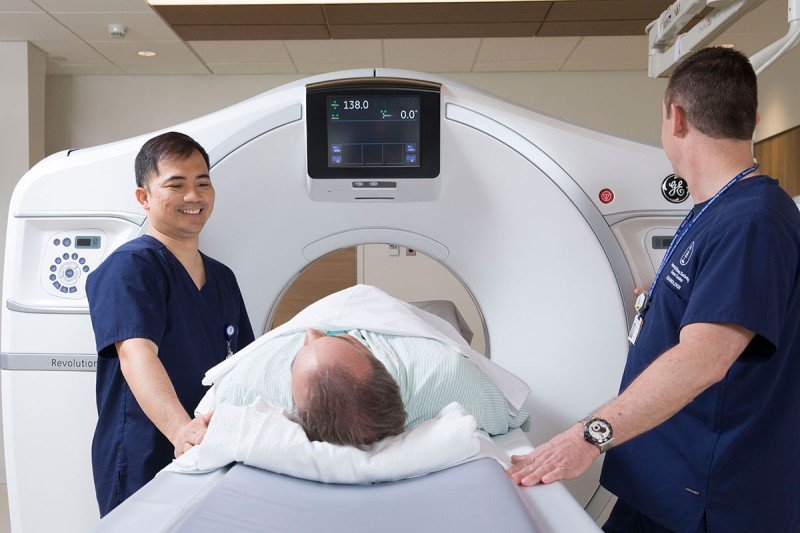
pixel 242 15
pixel 18 6
pixel 33 27
pixel 124 54
pixel 94 26
pixel 528 49
pixel 609 53
pixel 341 51
pixel 607 10
pixel 316 68
pixel 83 70
pixel 518 66
pixel 749 43
pixel 362 13
pixel 252 32
pixel 96 6
pixel 438 31
pixel 430 49
pixel 625 47
pixel 73 52
pixel 611 65
pixel 771 16
pixel 432 66
pixel 252 68
pixel 593 27
pixel 241 52
pixel 170 70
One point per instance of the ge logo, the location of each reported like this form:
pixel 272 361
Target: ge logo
pixel 674 189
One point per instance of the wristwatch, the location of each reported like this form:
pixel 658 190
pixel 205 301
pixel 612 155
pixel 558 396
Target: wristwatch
pixel 598 432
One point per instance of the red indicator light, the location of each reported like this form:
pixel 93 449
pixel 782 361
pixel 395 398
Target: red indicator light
pixel 606 196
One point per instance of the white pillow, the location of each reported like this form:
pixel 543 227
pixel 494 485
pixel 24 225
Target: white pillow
pixel 261 435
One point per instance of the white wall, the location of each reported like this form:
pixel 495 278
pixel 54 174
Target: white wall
pixel 778 90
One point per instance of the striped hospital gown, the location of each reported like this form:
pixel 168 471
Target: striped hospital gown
pixel 430 375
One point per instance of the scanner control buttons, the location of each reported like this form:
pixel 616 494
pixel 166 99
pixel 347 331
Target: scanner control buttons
pixel 67 271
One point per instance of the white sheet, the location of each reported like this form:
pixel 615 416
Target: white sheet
pixel 260 435
pixel 367 307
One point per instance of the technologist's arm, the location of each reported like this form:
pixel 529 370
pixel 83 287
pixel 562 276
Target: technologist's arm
pixel 701 358
pixel 152 388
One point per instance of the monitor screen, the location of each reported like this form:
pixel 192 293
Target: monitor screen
pixel 373 131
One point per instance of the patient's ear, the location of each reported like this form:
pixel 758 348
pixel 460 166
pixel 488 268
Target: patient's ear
pixel 312 335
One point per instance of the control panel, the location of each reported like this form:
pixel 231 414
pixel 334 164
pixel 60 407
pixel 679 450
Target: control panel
pixel 68 258
pixel 657 242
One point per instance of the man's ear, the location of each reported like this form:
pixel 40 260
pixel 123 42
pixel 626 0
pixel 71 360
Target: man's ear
pixel 143 197
pixel 678 119
pixel 312 335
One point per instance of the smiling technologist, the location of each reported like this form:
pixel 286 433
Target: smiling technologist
pixel 163 313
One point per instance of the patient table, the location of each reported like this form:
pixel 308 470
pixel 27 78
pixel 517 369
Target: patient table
pixel 473 497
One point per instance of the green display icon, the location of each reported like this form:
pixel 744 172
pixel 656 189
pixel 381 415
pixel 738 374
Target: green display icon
pixel 334 116
pixel 335 105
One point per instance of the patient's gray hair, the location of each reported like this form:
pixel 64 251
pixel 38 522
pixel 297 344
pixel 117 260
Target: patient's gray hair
pixel 343 410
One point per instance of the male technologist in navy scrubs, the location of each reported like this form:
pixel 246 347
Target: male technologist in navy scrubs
pixel 706 429
pixel 163 313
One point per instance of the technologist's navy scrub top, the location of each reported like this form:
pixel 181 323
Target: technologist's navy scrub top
pixel 143 291
pixel 733 452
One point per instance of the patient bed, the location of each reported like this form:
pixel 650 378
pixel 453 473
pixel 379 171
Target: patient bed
pixel 476 496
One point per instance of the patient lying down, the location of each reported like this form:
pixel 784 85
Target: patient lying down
pixel 342 394
pixel 359 387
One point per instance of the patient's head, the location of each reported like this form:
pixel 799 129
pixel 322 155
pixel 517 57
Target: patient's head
pixel 342 393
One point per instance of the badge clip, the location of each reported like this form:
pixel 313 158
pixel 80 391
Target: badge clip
pixel 642 303
pixel 229 331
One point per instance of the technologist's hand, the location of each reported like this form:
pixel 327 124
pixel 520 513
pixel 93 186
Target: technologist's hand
pixel 191 433
pixel 565 456
pixel 637 291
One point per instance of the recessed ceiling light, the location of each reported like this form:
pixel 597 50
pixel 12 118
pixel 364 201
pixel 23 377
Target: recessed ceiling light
pixel 146 53
pixel 728 45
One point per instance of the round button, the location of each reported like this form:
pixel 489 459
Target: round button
pixel 69 272
pixel 81 260
pixel 74 256
pixel 373 183
pixel 86 268
pixel 56 241
pixel 67 241
pixel 65 256
pixel 58 260
pixel 52 268
pixel 52 277
pixel 606 196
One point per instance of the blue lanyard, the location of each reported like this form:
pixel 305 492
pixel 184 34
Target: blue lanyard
pixel 684 228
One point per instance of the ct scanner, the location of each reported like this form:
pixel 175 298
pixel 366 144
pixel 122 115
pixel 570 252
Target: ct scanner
pixel 549 226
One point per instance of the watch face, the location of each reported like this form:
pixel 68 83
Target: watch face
pixel 599 431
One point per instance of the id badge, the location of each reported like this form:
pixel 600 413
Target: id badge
pixel 636 327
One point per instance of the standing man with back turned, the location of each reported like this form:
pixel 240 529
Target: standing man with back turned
pixel 163 313
pixel 705 430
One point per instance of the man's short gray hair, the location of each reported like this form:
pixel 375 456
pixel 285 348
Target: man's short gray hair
pixel 342 409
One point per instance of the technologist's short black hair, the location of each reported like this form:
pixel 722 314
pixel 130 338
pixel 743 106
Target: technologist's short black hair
pixel 717 90
pixel 164 147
